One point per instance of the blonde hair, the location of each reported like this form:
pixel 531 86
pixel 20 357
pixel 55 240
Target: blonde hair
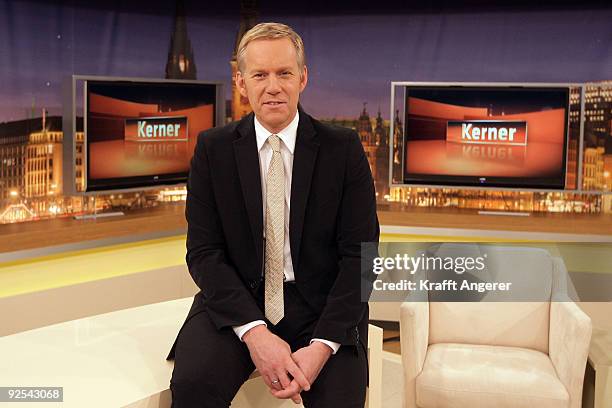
pixel 271 31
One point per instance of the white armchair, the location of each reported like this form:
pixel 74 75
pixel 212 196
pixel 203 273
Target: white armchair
pixel 497 354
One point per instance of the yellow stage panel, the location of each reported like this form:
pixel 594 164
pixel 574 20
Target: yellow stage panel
pixel 70 268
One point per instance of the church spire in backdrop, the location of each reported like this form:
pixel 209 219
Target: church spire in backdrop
pixel 181 62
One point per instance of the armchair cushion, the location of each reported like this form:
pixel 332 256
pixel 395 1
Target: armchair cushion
pixel 495 319
pixel 472 376
pixel 513 324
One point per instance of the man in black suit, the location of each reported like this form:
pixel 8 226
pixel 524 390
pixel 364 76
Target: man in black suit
pixel 278 205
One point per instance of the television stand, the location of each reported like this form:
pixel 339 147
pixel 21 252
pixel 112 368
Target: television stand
pixel 508 213
pixel 97 215
pixel 101 215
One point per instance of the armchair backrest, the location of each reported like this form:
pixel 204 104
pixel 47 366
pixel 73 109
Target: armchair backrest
pixel 495 320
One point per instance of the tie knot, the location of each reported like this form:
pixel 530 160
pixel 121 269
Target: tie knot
pixel 274 141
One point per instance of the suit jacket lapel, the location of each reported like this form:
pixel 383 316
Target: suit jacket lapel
pixel 305 155
pixel 247 160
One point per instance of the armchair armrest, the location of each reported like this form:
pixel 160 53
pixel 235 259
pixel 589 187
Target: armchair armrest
pixel 414 339
pixel 569 340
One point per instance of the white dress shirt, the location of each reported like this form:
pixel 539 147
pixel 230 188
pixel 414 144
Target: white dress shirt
pixel 287 136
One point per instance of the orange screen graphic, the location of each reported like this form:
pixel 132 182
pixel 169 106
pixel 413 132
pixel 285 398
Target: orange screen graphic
pixel 447 139
pixel 116 150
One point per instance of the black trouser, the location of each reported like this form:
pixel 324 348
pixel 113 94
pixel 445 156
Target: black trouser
pixel 211 365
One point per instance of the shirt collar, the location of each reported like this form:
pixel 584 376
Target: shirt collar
pixel 287 135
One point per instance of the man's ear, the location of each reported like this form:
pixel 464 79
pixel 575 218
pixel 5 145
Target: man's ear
pixel 240 84
pixel 304 79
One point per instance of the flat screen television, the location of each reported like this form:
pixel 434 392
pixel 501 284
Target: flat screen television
pixel 141 134
pixel 512 136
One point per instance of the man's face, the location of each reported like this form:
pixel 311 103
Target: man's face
pixel 271 81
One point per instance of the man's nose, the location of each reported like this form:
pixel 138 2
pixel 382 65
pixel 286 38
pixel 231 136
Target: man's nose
pixel 273 85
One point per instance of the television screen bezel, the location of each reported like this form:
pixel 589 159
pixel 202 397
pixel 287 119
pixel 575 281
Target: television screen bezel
pixel 140 183
pixel 474 182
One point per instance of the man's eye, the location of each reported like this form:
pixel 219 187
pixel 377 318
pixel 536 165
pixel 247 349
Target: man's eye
pixel 258 76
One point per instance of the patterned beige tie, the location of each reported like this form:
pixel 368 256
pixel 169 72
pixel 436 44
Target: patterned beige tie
pixel 275 234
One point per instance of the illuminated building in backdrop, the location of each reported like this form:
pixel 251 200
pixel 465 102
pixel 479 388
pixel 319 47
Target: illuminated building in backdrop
pixel 597 136
pixel 240 106
pixel 44 160
pixel 13 143
pixel 34 184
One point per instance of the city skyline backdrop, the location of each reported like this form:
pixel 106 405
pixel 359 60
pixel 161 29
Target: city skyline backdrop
pixel 42 43
pixel 352 59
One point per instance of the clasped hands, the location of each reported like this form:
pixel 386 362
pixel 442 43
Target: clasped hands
pixel 273 358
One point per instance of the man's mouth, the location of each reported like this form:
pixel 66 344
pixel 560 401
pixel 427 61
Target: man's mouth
pixel 274 103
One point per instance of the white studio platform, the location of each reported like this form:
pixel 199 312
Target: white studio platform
pixel 117 359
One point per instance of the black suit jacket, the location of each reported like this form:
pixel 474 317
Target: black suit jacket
pixel 333 210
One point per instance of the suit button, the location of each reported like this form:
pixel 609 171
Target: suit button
pixel 253 284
